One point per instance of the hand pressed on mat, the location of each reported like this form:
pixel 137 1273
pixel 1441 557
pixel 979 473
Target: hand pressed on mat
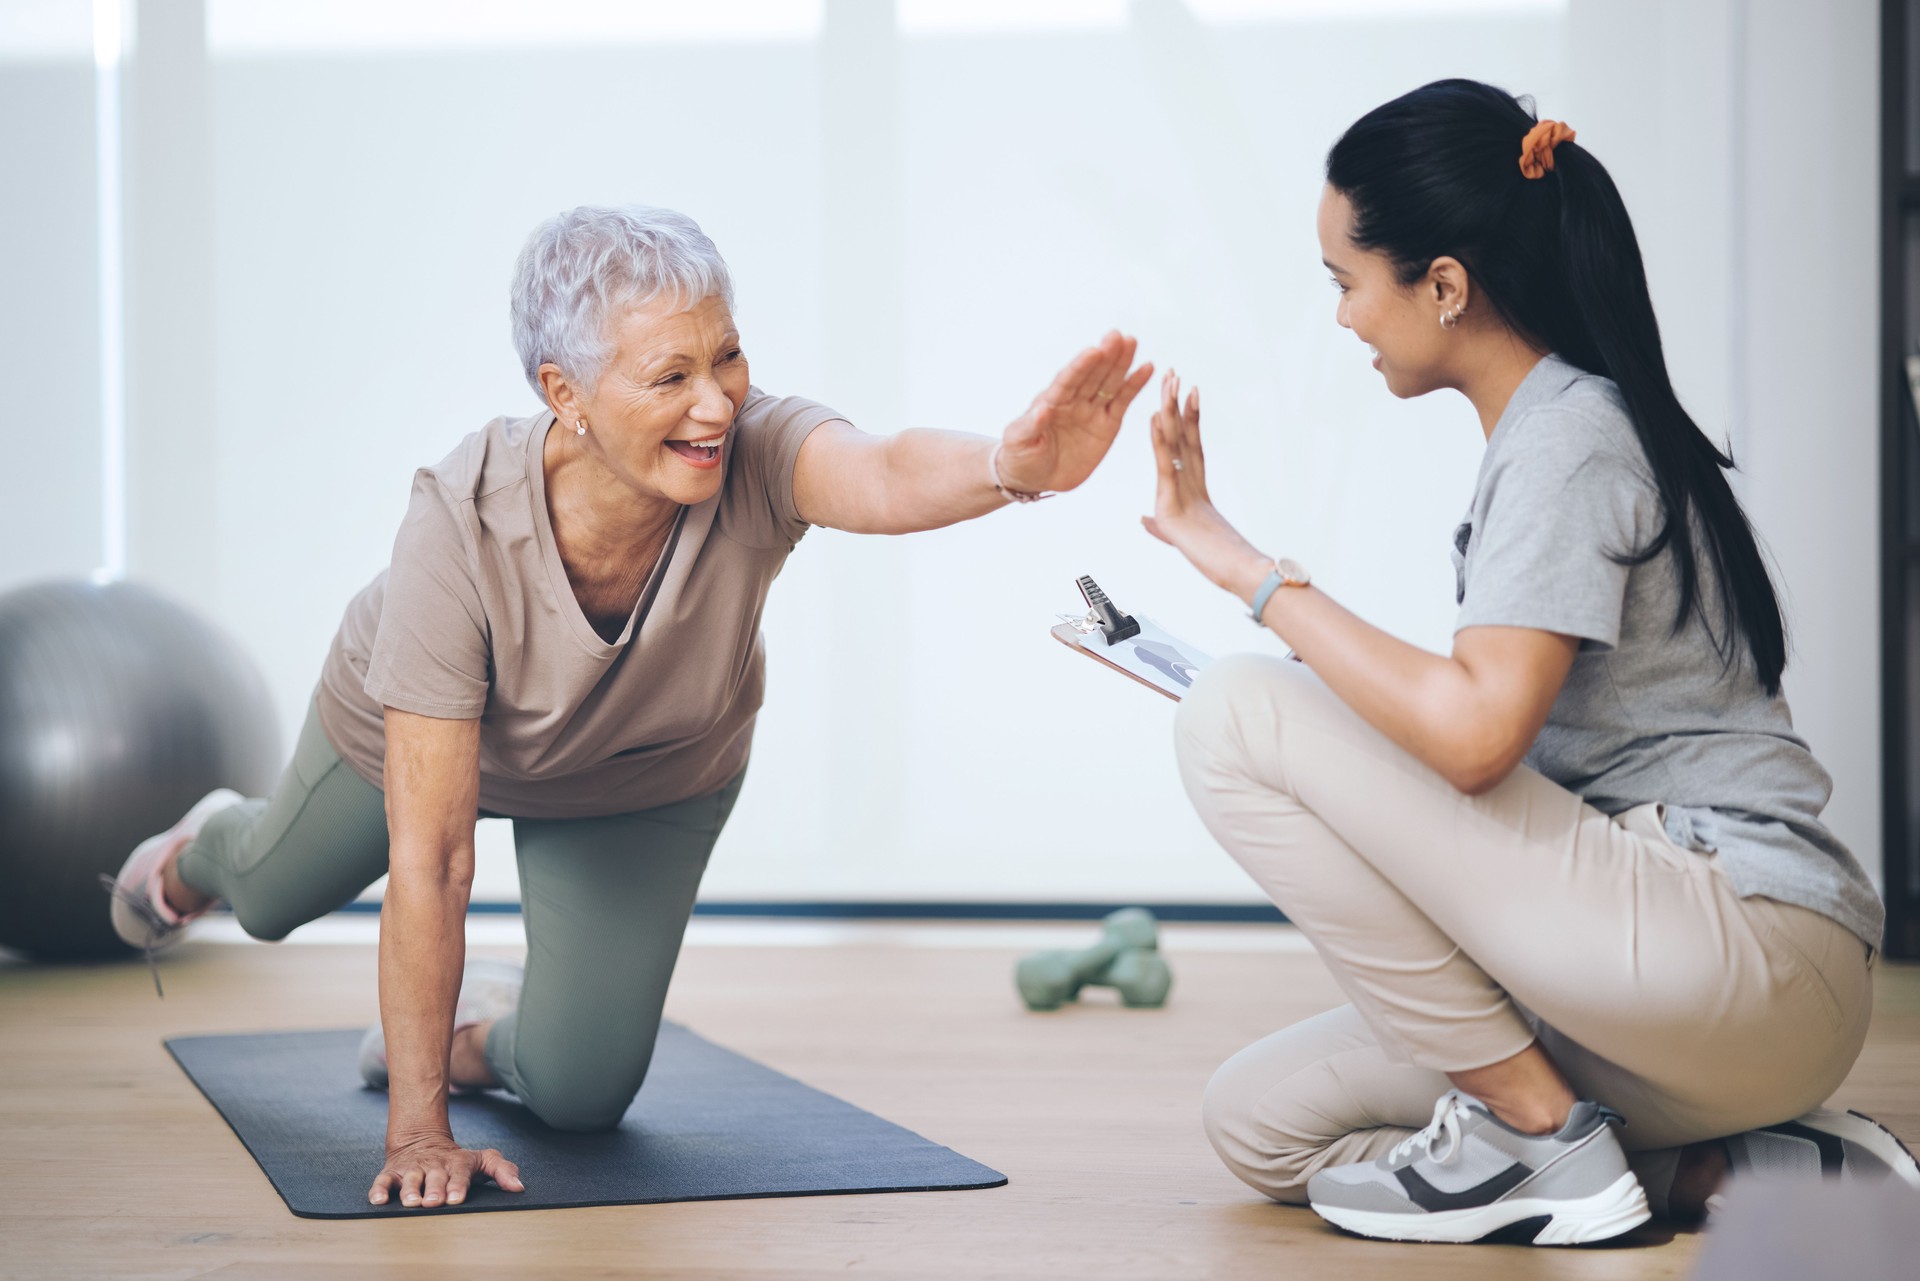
pixel 434 1170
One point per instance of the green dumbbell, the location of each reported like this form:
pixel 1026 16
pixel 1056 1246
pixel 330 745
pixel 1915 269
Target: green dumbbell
pixel 1141 976
pixel 1048 980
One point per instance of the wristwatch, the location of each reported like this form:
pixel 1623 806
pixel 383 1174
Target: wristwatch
pixel 1285 573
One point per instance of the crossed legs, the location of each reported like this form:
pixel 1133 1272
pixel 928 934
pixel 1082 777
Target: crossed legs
pixel 1468 931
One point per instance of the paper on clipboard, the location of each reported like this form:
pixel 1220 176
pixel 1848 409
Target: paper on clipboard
pixel 1155 657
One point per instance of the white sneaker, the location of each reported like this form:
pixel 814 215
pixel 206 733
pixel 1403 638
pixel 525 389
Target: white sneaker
pixel 489 990
pixel 1471 1177
pixel 141 916
pixel 1822 1144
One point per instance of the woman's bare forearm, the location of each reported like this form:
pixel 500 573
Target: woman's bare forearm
pixel 422 948
pixel 938 478
pixel 927 479
pixel 1470 715
pixel 1423 701
pixel 905 483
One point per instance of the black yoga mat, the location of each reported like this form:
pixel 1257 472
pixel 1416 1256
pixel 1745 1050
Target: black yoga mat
pixel 710 1124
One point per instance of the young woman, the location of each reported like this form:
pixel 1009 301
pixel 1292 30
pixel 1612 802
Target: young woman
pixel 1571 875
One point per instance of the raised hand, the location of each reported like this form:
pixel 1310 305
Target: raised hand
pixel 1183 512
pixel 1070 426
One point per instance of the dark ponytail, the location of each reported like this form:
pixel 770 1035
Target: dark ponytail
pixel 1436 173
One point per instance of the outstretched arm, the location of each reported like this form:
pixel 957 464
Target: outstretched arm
pixel 1471 714
pixel 919 479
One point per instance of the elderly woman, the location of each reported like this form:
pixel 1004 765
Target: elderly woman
pixel 569 636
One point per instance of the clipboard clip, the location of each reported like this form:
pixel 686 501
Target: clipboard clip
pixel 1103 615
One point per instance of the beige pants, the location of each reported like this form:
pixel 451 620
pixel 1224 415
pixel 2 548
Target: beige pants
pixel 1464 927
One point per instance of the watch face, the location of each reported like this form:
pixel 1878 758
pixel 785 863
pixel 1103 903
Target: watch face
pixel 1293 572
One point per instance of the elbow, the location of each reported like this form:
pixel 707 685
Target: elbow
pixel 447 874
pixel 1477 778
pixel 1475 765
pixel 456 877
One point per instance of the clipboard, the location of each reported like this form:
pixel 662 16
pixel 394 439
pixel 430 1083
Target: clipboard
pixel 1138 649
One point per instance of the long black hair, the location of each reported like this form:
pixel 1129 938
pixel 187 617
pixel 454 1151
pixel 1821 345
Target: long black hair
pixel 1436 173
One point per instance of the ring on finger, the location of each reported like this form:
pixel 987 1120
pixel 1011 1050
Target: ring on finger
pixel 1103 395
pixel 1176 464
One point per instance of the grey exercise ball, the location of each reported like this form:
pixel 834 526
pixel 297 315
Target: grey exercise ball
pixel 118 710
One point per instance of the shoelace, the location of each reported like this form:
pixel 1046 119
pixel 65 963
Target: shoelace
pixel 1448 1114
pixel 156 928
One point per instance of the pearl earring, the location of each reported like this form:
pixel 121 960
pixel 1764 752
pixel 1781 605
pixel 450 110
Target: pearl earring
pixel 580 427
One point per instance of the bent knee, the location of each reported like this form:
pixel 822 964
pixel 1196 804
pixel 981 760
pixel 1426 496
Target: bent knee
pixel 1230 689
pixel 1224 684
pixel 578 1099
pixel 1267 1159
pixel 582 1112
pixel 262 923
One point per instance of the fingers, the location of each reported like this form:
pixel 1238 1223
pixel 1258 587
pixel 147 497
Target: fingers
pixel 501 1170
pixel 1119 359
pixel 1190 426
pixel 1162 449
pixel 1100 374
pixel 449 1181
pixel 1081 378
pixel 1167 417
pixel 1131 388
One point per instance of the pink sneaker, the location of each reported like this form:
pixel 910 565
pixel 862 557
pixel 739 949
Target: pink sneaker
pixel 141 916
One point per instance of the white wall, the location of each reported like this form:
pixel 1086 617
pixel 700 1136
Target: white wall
pixel 49 286
pixel 924 228
pixel 1744 136
pixel 1809 368
pixel 924 224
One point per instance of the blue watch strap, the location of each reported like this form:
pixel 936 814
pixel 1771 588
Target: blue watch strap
pixel 1272 583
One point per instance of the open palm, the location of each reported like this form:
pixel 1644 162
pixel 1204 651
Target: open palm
pixel 1070 426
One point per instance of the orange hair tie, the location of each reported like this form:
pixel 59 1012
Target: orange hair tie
pixel 1536 149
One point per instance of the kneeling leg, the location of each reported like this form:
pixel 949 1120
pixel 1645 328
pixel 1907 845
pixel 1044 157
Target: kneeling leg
pixel 606 902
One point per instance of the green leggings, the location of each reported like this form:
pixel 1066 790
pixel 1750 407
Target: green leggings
pixel 605 901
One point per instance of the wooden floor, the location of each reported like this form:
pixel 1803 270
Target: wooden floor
pixel 112 1165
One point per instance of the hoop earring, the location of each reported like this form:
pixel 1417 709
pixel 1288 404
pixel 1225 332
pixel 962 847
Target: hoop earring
pixel 1448 319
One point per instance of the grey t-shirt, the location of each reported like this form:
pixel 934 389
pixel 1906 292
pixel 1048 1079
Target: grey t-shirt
pixel 1646 715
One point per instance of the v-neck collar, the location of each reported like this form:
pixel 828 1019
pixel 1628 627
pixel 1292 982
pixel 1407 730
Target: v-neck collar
pixel 564 599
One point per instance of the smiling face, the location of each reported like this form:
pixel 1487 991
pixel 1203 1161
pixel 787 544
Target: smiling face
pixel 1401 323
pixel 658 421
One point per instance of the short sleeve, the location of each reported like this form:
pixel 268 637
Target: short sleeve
pixel 1552 518
pixel 758 507
pixel 430 652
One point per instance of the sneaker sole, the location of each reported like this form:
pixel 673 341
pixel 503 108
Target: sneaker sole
pixel 1863 1131
pixel 1621 1208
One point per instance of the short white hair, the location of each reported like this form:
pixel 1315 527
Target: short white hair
pixel 583 267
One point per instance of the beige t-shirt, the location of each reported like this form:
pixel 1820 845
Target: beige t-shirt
pixel 475 618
